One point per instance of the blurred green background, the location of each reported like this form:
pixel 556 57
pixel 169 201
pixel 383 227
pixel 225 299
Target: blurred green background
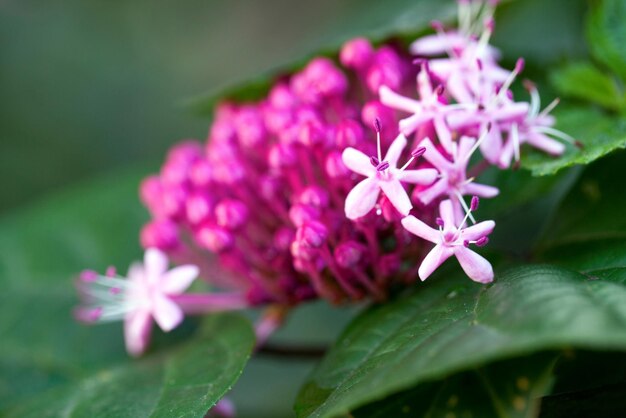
pixel 91 85
pixel 88 86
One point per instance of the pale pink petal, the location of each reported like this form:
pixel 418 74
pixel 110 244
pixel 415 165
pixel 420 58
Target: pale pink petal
pixel 426 196
pixel 516 110
pixel 479 230
pixel 422 176
pixel 135 272
pixel 433 156
pixel 178 279
pixel 507 154
pixel 137 330
pixel 459 211
pixel 443 132
pixel 446 211
pixel 397 196
pixel 424 86
pixel 465 146
pixel 395 149
pixel 546 144
pixel 410 124
pixel 443 67
pixel 155 264
pixel 492 144
pixel 166 313
pixel 358 162
pixel 481 190
pixel 437 44
pixel 362 198
pixel 434 259
pixel 457 88
pixel 461 119
pixel 394 100
pixel 497 73
pixel 419 228
pixel 474 265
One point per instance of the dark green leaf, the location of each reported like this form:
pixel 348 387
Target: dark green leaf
pixel 604 402
pixel 184 383
pixel 510 388
pixel 599 133
pixel 449 326
pixel 606 34
pixel 269 384
pixel 374 20
pixel 584 81
pixel 41 249
pixel 589 228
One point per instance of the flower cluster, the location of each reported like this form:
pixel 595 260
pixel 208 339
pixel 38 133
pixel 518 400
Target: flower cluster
pixel 295 198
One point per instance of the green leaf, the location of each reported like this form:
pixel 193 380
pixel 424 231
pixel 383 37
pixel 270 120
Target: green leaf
pixel 453 325
pixel 510 388
pixel 185 382
pixel 584 81
pixel 599 133
pixel 587 384
pixel 42 247
pixel 375 20
pixel 603 402
pixel 588 231
pixel 606 34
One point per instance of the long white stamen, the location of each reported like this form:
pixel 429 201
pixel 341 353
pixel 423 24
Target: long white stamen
pixel 438 26
pixel 484 40
pixel 477 144
pixel 380 157
pixel 465 17
pixel 468 212
pixel 510 79
pixel 556 133
pixel 515 138
pixel 407 163
pixel 535 102
pixel 550 107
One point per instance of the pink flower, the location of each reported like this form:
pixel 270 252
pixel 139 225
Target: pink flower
pixel 492 107
pixel 536 130
pixel 453 181
pixel 146 295
pixel 382 174
pixel 452 240
pixel 432 107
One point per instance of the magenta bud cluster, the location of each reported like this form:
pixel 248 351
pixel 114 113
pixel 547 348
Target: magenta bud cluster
pixel 326 186
pixel 265 194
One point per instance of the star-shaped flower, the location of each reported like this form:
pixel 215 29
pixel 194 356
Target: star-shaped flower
pixel 453 180
pixel 382 174
pixel 536 130
pixel 146 295
pixel 432 107
pixel 452 240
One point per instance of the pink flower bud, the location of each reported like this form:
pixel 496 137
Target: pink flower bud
pixel 198 208
pixel 312 234
pixel 214 238
pixel 314 196
pixel 161 234
pixel 335 168
pixel 356 53
pixel 231 214
pixel 300 214
pixel 349 134
pixel 200 173
pixel 348 254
